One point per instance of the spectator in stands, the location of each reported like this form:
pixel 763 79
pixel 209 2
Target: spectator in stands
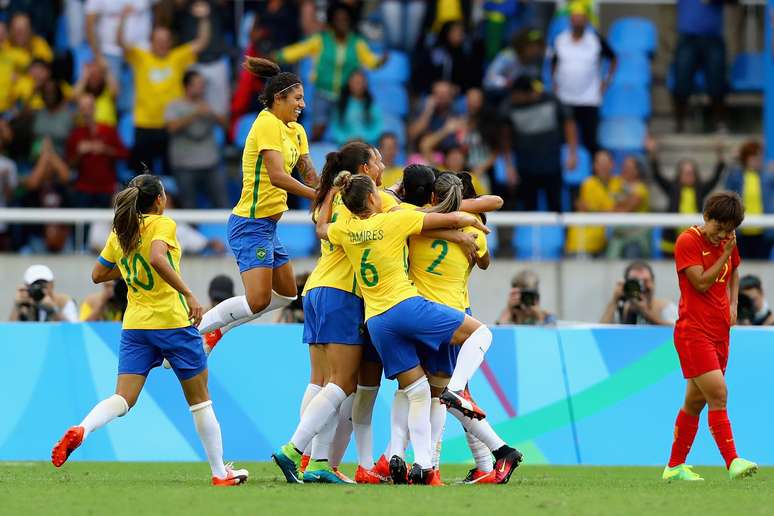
pixel 276 25
pixel 479 138
pixel 337 51
pixel 93 149
pixel 9 179
pixel 577 68
pixel 221 288
pixel 294 311
pixel 54 121
pixel 212 60
pixel 36 299
pixel 107 305
pixel 456 57
pixel 102 20
pixel 193 151
pixel 634 302
pixel 247 92
pixel 753 309
pixel 8 72
pixel 437 111
pixel 700 44
pixel 98 82
pixel 686 192
pixel 24 44
pixel 389 149
pixel 631 195
pixel 524 56
pixel 43 16
pixel 524 302
pixel 596 195
pixel 757 191
pixel 402 23
pixel 534 127
pixel 28 88
pixel 356 115
pixel 158 77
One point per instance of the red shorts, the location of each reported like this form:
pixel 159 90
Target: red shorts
pixel 699 354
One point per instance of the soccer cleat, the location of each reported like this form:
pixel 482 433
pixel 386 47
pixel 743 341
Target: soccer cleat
pixel 741 468
pixel 462 401
pixel 504 466
pixel 398 470
pixel 435 478
pixel 680 472
pixel 211 340
pixel 72 438
pixel 344 478
pixel 370 476
pixel 288 460
pixel 319 471
pixel 304 462
pixel 382 467
pixel 476 476
pixel 234 477
pixel 421 477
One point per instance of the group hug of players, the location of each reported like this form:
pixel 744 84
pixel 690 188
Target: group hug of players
pixel 388 297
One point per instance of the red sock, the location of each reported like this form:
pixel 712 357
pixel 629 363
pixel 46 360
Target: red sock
pixel 720 427
pixel 686 426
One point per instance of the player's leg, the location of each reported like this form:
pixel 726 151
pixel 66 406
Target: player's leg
pixel 475 339
pixel 417 390
pixel 399 438
pixel 438 382
pixel 318 377
pixel 686 425
pixel 369 379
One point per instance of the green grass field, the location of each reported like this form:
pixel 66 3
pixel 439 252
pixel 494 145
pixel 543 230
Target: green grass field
pixel 116 489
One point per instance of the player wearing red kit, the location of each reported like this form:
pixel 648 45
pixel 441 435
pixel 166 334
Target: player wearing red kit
pixel 707 262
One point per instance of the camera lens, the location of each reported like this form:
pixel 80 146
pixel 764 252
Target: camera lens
pixel 37 291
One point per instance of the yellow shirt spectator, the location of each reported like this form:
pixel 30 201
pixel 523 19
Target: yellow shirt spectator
pixel 752 195
pixel 22 57
pixel 157 82
pixel 7 79
pixel 595 196
pixel 24 93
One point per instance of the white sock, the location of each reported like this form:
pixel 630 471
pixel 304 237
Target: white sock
pixel 481 429
pixel 437 423
pixel 103 413
pixel 343 432
pixel 208 428
pixel 418 394
pixel 398 425
pixel 481 454
pixel 320 412
pixel 311 391
pixel 235 311
pixel 362 411
pixel 470 357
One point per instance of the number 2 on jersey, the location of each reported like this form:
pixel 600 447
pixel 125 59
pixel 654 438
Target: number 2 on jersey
pixel 367 269
pixel 444 249
pixel 723 274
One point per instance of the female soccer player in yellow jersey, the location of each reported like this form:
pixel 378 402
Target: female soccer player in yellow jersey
pixel 398 319
pixel 275 146
pixel 158 322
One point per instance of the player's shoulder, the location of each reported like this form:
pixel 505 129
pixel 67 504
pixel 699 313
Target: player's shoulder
pixel 690 235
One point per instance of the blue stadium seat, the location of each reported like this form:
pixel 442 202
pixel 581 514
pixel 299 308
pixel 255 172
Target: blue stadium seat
pixel 82 54
pixel 395 70
pixel 500 174
pixel 558 24
pixel 305 69
pixel 242 129
pixel 747 72
pixel 393 124
pixel 626 101
pixel 61 40
pixel 622 134
pixel 318 151
pixel 538 242
pixel 633 35
pixel 632 69
pixel 215 231
pixel 582 168
pixel 492 242
pixel 299 239
pixel 126 130
pixel 391 98
pixel 699 81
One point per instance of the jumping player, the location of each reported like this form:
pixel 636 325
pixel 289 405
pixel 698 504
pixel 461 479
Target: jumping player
pixel 707 262
pixel 159 322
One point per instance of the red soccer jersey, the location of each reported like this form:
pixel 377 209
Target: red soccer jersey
pixel 706 313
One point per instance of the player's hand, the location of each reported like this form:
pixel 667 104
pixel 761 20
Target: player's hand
pixel 618 291
pixel 22 296
pixel 467 241
pixel 730 243
pixel 195 309
pixel 733 314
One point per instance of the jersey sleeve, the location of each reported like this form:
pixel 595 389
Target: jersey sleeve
pixel 184 56
pixel 336 233
pixel 109 255
pixel 687 252
pixel 410 221
pixel 165 230
pixel 367 58
pixel 480 240
pixel 311 46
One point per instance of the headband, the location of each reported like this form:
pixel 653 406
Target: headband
pixel 291 86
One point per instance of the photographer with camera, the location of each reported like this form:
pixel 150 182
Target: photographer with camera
pixel 108 305
pixel 37 301
pixel 633 302
pixel 752 308
pixel 524 302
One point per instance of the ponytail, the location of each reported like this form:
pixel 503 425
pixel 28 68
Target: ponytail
pixel 278 82
pixel 355 189
pixel 350 157
pixel 131 204
pixel 448 188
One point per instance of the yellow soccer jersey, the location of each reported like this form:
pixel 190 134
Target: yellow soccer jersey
pixel 152 303
pixel 259 197
pixel 440 269
pixel 333 269
pixel 376 248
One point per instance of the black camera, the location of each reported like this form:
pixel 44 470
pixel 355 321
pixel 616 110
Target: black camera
pixel 37 290
pixel 529 297
pixel 633 289
pixel 745 309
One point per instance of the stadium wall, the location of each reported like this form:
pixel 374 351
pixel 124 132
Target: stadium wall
pixel 577 290
pixel 577 395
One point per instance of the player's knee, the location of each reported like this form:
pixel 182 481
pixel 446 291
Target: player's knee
pixel 694 406
pixel 258 302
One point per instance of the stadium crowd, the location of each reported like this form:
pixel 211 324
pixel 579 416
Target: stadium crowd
pixel 95 91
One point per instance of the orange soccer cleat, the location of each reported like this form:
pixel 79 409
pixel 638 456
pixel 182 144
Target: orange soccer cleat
pixel 304 462
pixel 435 478
pixel 344 478
pixel 72 438
pixel 211 340
pixel 234 477
pixel 382 467
pixel 476 476
pixel 370 476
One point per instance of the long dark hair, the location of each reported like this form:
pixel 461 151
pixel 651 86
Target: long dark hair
pixel 346 94
pixel 354 190
pixel 349 157
pixel 418 183
pixel 278 82
pixel 469 190
pixel 131 203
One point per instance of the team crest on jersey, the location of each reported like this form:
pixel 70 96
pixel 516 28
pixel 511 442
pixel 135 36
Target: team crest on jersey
pixel 260 253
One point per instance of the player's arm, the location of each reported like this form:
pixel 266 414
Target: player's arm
pixel 276 170
pixel 201 10
pixel 467 241
pixel 482 204
pixel 324 216
pixel 104 271
pixel 733 292
pixel 161 264
pixel 702 279
pixel 455 220
pixel 306 170
pixel 128 9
